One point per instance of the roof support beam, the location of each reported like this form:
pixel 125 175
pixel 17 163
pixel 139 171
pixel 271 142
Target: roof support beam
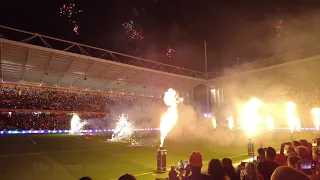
pixel 76 82
pixel 85 73
pixel 25 66
pixel 47 68
pixel 90 84
pixel 67 71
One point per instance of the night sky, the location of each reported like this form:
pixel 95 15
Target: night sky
pixel 236 31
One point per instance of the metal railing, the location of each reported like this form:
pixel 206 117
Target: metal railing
pixel 73 47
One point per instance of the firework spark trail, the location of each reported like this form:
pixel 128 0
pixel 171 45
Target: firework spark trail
pixel 316 117
pixel 124 129
pixel 250 116
pixel 170 51
pixel 214 122
pixel 69 11
pixel 279 27
pixel 230 123
pixel 131 31
pixel 76 125
pixel 76 29
pixel 169 118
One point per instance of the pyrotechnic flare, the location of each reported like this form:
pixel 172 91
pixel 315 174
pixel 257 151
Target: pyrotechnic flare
pixel 214 122
pixel 250 116
pixel 270 123
pixel 123 130
pixel 76 125
pixel 316 117
pixel 293 121
pixel 170 118
pixel 230 123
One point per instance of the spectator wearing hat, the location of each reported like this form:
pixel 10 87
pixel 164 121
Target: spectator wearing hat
pixel 267 167
pixel 195 160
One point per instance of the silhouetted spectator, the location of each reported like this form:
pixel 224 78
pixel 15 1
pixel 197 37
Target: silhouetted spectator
pixel 215 169
pixel 251 172
pixel 303 152
pixel 267 167
pixel 86 178
pixel 296 144
pixel 288 173
pixel 173 175
pixel 229 169
pixel 195 160
pixel 304 143
pixel 261 154
pixel 293 161
pixel 127 177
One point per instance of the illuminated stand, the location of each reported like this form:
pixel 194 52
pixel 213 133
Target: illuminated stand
pixel 250 148
pixel 161 160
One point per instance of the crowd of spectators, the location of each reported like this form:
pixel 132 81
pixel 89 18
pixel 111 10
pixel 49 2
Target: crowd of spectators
pixel 297 160
pixel 44 121
pixel 33 102
pixel 23 97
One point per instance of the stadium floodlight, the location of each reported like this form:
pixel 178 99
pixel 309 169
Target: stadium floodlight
pixel 161 160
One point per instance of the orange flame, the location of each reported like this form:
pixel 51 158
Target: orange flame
pixel 293 121
pixel 270 123
pixel 316 117
pixel 250 116
pixel 214 122
pixel 230 123
pixel 170 118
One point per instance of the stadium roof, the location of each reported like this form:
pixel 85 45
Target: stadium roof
pixel 34 59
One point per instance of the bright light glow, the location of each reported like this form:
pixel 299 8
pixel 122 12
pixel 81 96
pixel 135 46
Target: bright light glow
pixel 293 121
pixel 230 123
pixel 124 129
pixel 270 124
pixel 169 118
pixel 316 117
pixel 250 116
pixel 298 124
pixel 76 125
pixel 214 122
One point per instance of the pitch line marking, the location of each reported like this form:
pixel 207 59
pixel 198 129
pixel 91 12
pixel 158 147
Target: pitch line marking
pixel 32 140
pixel 52 152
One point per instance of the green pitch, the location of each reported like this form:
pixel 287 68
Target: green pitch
pixel 67 157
